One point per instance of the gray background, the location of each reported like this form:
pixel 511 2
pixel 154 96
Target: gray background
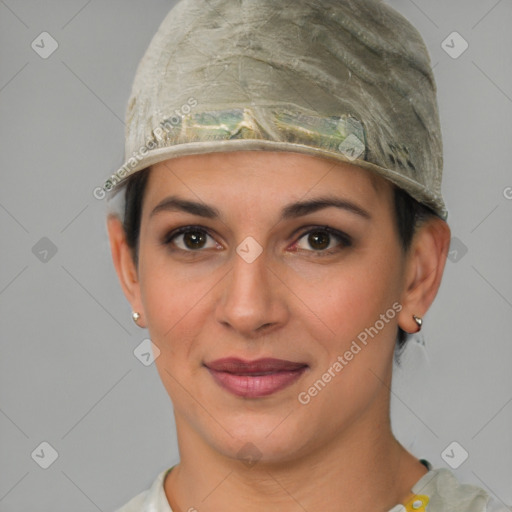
pixel 68 374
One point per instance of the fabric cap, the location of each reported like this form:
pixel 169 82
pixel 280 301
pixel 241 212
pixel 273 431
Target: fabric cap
pixel 348 80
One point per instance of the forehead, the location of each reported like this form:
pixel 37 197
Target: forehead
pixel 257 177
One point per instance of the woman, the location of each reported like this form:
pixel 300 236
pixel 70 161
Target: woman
pixel 282 229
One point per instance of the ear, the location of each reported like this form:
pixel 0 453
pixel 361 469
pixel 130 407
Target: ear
pixel 124 265
pixel 425 265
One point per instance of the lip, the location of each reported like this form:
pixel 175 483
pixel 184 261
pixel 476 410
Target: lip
pixel 254 379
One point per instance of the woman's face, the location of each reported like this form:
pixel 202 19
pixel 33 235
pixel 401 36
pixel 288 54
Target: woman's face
pixel 270 269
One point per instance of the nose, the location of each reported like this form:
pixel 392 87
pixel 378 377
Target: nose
pixel 253 299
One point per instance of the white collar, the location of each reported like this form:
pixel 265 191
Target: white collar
pixel 440 485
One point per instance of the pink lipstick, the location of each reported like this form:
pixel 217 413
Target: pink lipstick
pixel 254 379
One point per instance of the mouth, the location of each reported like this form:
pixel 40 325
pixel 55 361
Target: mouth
pixel 254 379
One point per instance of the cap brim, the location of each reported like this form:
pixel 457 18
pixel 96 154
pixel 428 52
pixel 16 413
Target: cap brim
pixel 413 188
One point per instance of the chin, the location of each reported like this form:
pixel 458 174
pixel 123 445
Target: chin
pixel 261 443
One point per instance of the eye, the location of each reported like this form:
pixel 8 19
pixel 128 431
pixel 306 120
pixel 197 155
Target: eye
pixel 190 238
pixel 323 240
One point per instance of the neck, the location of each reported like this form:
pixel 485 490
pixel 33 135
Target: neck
pixel 359 468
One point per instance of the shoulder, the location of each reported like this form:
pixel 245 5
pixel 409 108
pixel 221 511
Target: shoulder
pixel 135 504
pixel 447 494
pixel 151 500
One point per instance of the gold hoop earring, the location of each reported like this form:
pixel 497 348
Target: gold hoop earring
pixel 135 317
pixel 418 320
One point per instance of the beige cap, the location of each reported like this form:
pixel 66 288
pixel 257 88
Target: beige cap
pixel 348 80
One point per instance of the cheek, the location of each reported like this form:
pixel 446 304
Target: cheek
pixel 342 301
pixel 359 307
pixel 167 303
pixel 176 302
pixel 173 311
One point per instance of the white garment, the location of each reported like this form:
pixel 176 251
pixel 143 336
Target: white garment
pixel 445 493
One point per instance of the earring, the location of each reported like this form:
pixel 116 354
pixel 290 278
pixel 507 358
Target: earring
pixel 135 316
pixel 418 320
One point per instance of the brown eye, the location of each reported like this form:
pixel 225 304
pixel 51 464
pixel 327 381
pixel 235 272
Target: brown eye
pixel 194 239
pixel 319 240
pixel 189 239
pixel 324 240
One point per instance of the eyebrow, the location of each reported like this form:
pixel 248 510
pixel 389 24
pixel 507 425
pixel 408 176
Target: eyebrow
pixel 290 211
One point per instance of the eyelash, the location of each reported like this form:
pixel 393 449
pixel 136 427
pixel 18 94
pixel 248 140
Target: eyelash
pixel 345 240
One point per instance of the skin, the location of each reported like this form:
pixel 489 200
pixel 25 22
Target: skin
pixel 338 451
